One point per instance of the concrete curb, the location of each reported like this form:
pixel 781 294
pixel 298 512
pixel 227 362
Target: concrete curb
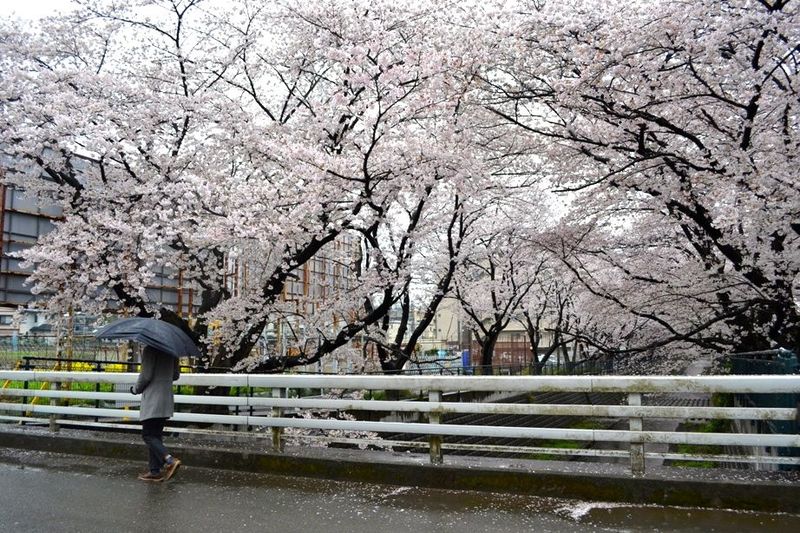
pixel 691 490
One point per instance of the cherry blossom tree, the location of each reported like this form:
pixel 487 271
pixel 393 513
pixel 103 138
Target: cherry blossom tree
pixel 237 144
pixel 498 275
pixel 428 270
pixel 193 135
pixel 673 126
pixel 408 131
pixel 549 314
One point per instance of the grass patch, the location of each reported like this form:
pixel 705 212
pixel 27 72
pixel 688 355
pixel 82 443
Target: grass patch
pixel 720 399
pixel 91 387
pixel 34 387
pixel 586 423
pixel 375 395
pixel 558 444
pixel 712 426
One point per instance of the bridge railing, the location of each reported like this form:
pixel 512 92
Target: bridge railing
pixel 35 395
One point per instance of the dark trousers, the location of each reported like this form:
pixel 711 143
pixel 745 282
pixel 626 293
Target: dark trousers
pixel 153 436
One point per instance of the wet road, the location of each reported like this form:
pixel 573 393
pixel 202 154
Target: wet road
pixel 53 493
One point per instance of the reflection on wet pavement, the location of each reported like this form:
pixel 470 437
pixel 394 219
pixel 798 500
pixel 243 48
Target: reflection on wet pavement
pixel 55 492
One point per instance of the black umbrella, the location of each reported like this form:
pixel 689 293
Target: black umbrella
pixel 151 332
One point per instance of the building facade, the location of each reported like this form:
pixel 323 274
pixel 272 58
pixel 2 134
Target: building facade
pixel 22 222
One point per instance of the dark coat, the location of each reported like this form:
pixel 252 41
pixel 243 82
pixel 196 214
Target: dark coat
pixel 158 372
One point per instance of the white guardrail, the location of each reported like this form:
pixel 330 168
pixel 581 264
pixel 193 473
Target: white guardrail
pixel 24 393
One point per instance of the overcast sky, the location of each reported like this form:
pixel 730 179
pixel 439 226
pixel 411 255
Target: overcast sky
pixel 31 8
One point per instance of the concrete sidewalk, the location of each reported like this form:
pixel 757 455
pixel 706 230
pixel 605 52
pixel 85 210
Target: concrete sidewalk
pixel 709 488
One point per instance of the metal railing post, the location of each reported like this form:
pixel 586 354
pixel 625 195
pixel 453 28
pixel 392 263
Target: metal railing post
pixel 26 366
pixel 637 448
pixel 97 368
pixel 53 426
pixel 277 412
pixel 235 427
pixel 435 441
pixel 250 410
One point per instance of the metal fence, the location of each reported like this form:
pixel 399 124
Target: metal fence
pixel 15 349
pixel 770 362
pixel 106 356
pixel 269 405
pixel 583 367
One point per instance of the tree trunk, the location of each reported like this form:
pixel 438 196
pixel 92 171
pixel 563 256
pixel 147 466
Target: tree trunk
pixel 390 362
pixel 487 351
pixel 536 367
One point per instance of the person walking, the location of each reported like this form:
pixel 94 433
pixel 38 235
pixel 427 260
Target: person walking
pixel 154 383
